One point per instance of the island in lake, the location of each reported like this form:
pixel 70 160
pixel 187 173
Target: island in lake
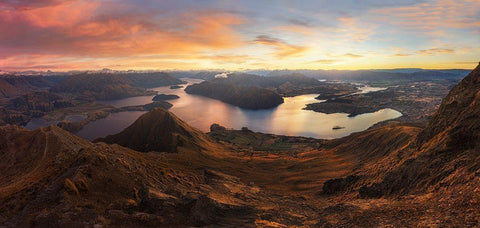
pixel 241 96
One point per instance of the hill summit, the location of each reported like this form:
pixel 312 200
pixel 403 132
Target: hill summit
pixel 159 130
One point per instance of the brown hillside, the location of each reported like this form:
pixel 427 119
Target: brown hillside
pixel 445 155
pixel 51 178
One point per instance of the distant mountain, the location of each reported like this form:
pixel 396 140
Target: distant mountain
pixel 205 75
pixel 99 86
pixel 240 79
pixel 14 85
pixel 378 75
pixel 154 79
pixel 159 130
pixel 21 109
pixel 107 86
pixel 243 97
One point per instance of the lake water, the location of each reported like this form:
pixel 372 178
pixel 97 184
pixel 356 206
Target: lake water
pixel 288 118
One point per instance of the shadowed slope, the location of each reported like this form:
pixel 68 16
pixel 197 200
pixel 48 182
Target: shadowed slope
pixel 159 130
pixel 445 155
pixel 458 115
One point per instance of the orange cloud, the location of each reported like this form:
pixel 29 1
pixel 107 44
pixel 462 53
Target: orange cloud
pixel 432 17
pixel 401 55
pixel 326 61
pixel 283 49
pixel 350 55
pixel 352 29
pixel 435 51
pixel 85 29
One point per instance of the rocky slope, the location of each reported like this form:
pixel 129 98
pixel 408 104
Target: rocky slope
pixel 59 180
pixel 243 97
pixel 446 152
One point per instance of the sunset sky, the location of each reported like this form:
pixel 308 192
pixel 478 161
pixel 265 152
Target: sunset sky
pixel 235 35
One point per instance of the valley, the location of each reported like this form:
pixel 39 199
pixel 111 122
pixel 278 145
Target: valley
pixel 159 170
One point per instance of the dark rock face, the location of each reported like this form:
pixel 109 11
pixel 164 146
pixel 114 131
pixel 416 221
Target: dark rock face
pixel 458 114
pixel 217 127
pixel 165 97
pixel 158 130
pixel 243 97
pixel 338 185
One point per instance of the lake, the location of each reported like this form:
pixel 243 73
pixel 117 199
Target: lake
pixel 288 118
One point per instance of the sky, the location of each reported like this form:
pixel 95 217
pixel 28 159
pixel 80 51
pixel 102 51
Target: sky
pixel 237 35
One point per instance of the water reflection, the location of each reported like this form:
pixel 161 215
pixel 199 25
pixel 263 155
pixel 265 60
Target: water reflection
pixel 288 118
pixel 114 123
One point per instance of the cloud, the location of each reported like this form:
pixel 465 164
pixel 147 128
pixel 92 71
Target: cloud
pixel 29 4
pixel 283 49
pixel 435 51
pixel 222 75
pixel 94 29
pixel 300 22
pixel 467 63
pixel 350 55
pixel 326 61
pixel 401 55
pixel 225 34
pixel 433 17
pixel 353 29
